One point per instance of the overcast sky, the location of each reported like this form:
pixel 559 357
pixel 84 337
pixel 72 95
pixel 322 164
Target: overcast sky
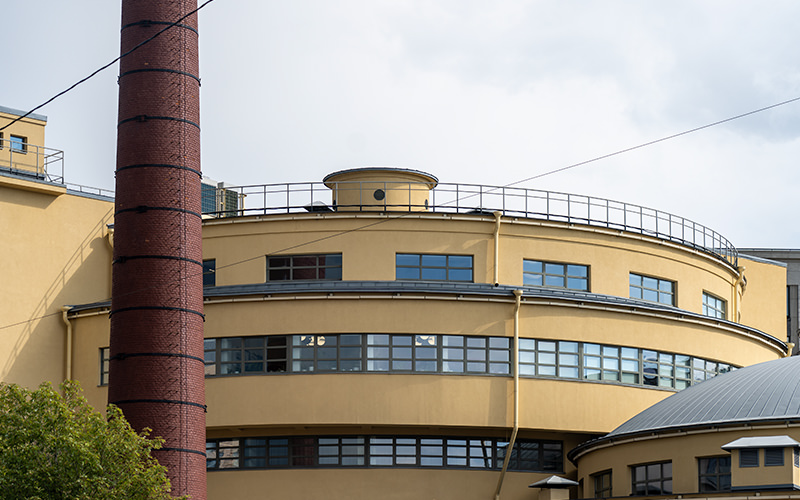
pixel 483 92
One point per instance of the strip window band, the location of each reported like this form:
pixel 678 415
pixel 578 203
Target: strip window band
pixel 124 258
pixel 144 208
pixel 159 70
pixel 160 165
pixel 181 450
pixel 124 356
pixel 144 118
pixel 156 308
pixel 146 23
pixel 159 401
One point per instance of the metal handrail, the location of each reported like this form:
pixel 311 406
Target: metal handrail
pixel 23 158
pixel 266 199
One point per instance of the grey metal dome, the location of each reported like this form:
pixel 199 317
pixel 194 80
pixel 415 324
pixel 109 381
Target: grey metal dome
pixel 766 392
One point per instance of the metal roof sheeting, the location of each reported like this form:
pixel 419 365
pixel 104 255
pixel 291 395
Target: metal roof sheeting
pixel 767 391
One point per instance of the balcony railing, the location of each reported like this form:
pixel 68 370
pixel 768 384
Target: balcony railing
pixel 266 199
pixel 27 159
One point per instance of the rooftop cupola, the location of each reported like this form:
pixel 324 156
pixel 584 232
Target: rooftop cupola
pixel 381 189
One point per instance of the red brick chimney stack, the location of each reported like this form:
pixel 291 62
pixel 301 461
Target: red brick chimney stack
pixel 156 371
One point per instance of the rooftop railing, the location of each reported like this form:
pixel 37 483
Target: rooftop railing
pixel 266 199
pixel 27 159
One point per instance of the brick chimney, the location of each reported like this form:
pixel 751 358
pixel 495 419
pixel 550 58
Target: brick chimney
pixel 156 372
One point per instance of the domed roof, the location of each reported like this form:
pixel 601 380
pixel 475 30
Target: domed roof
pixel 765 392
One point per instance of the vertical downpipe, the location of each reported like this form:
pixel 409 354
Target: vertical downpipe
pixel 156 369
pixel 515 428
pixel 497 216
pixel 68 356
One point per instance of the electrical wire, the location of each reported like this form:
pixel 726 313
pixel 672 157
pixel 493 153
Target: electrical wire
pixel 650 143
pixel 391 218
pixel 106 66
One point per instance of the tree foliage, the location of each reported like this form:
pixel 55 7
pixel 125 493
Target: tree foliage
pixel 57 447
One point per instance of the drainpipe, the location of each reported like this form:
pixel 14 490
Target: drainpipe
pixel 497 216
pixel 515 429
pixel 68 365
pixel 736 301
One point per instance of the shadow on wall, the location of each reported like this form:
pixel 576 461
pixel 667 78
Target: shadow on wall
pixel 39 351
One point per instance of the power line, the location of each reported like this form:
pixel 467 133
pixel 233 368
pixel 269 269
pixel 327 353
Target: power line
pixel 95 72
pixel 650 143
pixel 391 218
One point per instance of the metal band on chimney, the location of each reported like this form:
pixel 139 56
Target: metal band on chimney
pixel 147 24
pixel 144 118
pixel 160 165
pixel 145 208
pixel 157 70
pixel 155 308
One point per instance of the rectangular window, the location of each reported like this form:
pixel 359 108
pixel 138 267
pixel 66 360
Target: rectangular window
pixel 429 267
pixel 245 355
pixel 1 140
pixel 18 143
pixel 602 484
pixel 533 455
pixel 210 356
pixel 796 455
pixel 210 272
pixel 714 473
pixel 222 454
pixel 326 353
pixel 652 289
pixel 304 267
pixel 773 457
pixel 714 306
pixel 652 479
pixel 569 276
pixel 748 458
pixel 104 361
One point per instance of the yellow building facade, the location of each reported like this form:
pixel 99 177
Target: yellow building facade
pixel 384 335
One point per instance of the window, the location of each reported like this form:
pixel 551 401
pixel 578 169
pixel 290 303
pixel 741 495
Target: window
pixel 18 143
pixel 104 362
pixel 428 267
pixel 245 355
pixel 383 451
pixel 652 479
pixel 652 289
pixel 748 458
pixel 304 267
pixel 528 455
pixel 210 272
pixel 222 454
pixel 714 306
pixel 326 353
pixel 602 484
pixel 714 473
pixel 1 140
pixel 796 455
pixel 773 457
pixel 570 276
pixel 451 354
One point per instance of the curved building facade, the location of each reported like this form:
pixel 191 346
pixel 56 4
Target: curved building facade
pixel 736 435
pixel 381 334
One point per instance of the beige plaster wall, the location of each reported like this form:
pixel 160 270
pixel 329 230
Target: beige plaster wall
pixel 683 450
pixel 54 253
pixel 368 244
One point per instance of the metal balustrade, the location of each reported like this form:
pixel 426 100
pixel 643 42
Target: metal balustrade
pixel 266 199
pixel 25 159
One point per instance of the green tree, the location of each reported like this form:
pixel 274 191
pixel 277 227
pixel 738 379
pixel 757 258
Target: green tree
pixel 57 447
